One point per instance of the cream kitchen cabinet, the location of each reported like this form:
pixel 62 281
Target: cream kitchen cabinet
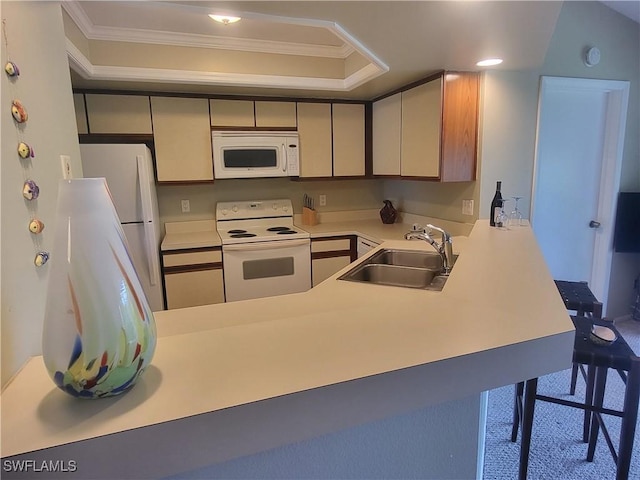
pixel 81 113
pixel 182 136
pixel 429 131
pixel 115 114
pixel 387 135
pixel 247 113
pixel 348 129
pixel 314 129
pixel 329 255
pixel 193 277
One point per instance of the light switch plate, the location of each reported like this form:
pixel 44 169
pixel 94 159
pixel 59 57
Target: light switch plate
pixel 65 163
pixel 186 206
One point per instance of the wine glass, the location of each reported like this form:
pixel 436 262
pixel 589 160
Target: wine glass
pixel 515 217
pixel 502 218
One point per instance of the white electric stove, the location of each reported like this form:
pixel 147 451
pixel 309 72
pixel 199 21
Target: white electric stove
pixel 263 253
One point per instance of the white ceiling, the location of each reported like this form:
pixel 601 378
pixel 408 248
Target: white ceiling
pixel 410 39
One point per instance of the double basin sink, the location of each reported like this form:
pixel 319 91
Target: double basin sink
pixel 401 268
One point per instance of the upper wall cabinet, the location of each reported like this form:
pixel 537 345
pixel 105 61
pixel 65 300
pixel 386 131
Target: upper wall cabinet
pixel 314 129
pixel 182 136
pixel 387 134
pixel 115 114
pixel 332 139
pixel 348 139
pixel 429 131
pixel 81 113
pixel 246 113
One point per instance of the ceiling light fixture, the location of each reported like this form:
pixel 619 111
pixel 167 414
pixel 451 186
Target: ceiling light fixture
pixel 490 62
pixel 225 19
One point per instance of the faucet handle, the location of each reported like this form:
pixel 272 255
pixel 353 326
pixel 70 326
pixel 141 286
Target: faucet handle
pixel 445 235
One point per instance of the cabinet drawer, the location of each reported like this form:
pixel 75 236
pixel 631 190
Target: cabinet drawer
pixel 330 245
pixel 275 114
pixel 191 258
pixel 232 113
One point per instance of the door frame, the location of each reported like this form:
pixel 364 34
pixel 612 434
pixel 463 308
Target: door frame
pixel 617 99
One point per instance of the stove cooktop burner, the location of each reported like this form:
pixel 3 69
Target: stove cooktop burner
pixel 286 232
pixel 277 229
pixel 231 232
pixel 242 235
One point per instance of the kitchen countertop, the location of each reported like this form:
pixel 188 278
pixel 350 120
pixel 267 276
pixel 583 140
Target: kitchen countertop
pixel 498 320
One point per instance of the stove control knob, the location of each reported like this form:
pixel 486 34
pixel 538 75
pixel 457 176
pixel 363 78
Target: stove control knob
pixel 224 212
pixel 274 206
pixel 234 208
pixel 285 208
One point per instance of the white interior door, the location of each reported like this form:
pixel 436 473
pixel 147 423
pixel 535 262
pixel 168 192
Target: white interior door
pixel 579 150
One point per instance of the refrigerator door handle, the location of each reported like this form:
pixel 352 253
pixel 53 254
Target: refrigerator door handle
pixel 147 216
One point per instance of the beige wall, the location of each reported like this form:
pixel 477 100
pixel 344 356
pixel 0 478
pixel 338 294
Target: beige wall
pixel 341 195
pixel 44 87
pixel 510 114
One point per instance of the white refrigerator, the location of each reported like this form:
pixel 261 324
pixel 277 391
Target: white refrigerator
pixel 128 170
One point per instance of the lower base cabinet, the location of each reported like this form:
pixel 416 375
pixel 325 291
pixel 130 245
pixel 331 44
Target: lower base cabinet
pixel 329 255
pixel 193 277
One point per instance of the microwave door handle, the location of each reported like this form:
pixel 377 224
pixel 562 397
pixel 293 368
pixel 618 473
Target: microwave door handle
pixel 286 158
pixel 265 245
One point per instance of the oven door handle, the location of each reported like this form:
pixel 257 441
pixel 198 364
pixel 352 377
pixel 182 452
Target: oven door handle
pixel 254 246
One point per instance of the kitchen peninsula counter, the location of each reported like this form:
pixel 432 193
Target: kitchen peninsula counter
pixel 234 379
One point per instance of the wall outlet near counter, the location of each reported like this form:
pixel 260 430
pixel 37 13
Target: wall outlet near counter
pixel 323 200
pixel 186 206
pixel 65 163
pixel 467 207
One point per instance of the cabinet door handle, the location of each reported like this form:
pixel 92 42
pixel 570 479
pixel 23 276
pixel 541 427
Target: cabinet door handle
pixel 594 224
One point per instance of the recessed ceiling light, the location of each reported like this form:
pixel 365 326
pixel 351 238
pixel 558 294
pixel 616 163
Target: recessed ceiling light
pixel 489 62
pixel 226 19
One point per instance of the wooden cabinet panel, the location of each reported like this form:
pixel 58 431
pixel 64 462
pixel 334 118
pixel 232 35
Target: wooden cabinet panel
pixel 190 289
pixel 275 114
pixel 314 129
pixel 118 113
pixel 232 113
pixel 420 145
pixel 81 113
pixel 348 140
pixel 460 127
pixel 323 268
pixel 182 136
pixel 387 121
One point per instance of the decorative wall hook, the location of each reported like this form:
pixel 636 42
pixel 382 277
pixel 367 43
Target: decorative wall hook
pixel 36 226
pixel 30 190
pixel 12 69
pixel 18 111
pixel 41 259
pixel 25 151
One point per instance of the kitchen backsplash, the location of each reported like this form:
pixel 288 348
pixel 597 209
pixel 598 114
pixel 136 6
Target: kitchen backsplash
pixel 420 198
pixel 341 195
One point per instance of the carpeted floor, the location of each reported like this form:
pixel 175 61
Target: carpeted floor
pixel 557 451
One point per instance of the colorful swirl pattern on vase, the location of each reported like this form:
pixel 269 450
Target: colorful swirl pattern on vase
pixel 99 332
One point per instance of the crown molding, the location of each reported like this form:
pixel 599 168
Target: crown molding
pixel 156 37
pixel 81 64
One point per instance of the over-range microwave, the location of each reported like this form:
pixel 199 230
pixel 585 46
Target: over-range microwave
pixel 248 154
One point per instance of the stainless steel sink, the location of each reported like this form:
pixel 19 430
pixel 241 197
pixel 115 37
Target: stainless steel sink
pixel 408 258
pixel 400 268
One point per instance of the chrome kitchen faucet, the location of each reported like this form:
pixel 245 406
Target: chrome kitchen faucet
pixel 444 248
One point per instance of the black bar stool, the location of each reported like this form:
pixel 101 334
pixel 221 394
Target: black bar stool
pixel 578 297
pixel 617 356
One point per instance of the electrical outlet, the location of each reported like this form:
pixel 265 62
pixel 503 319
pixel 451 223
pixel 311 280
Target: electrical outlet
pixel 323 200
pixel 65 163
pixel 186 206
pixel 467 207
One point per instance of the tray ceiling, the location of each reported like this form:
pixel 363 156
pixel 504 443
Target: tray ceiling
pixel 346 49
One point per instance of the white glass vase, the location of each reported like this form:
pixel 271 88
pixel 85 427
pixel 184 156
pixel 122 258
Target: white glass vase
pixel 99 332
